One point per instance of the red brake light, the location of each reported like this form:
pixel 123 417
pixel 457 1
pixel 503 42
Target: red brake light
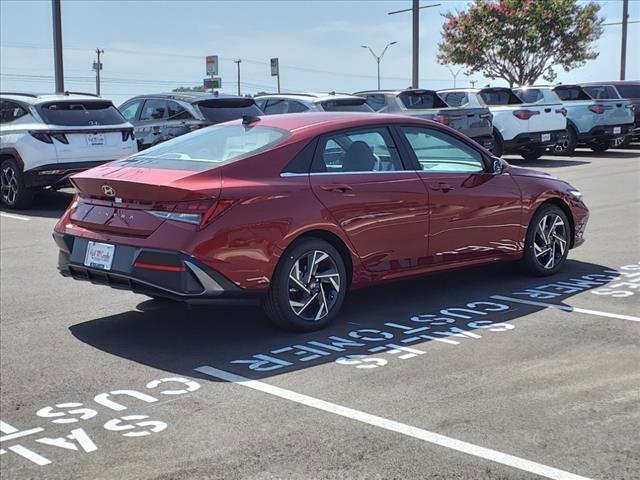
pixel 562 110
pixel 598 108
pixel 525 114
pixel 197 212
pixel 446 119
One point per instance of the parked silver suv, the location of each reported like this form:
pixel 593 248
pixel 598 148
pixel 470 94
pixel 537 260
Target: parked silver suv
pixel 311 102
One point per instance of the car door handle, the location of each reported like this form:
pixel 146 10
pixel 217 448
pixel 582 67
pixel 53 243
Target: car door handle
pixel 443 187
pixel 336 187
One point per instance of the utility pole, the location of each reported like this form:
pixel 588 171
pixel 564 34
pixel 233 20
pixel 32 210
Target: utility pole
pixel 623 49
pixel 454 75
pixel 473 83
pixel 97 66
pixel 238 62
pixel 378 58
pixel 57 45
pixel 415 9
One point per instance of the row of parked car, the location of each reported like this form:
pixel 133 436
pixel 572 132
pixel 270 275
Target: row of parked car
pixel 46 138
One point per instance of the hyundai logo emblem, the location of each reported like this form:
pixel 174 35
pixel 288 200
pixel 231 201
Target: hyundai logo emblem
pixel 108 191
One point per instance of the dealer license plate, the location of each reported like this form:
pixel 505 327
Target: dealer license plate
pixel 95 139
pixel 617 130
pixel 545 137
pixel 99 255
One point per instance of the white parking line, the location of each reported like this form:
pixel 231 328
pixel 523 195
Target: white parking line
pixel 16 217
pixel 408 430
pixel 567 308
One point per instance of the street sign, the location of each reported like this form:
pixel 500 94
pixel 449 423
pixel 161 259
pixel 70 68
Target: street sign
pixel 215 82
pixel 275 67
pixel 212 65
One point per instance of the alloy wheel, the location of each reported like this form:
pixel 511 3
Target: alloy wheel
pixel 561 147
pixel 314 284
pixel 550 241
pixel 8 185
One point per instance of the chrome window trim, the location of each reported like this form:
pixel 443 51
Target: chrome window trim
pixel 290 174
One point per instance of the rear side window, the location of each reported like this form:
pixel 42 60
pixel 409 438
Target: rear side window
pixel 530 95
pixel 602 92
pixel 216 144
pixel 571 93
pixel 455 99
pixel 175 111
pixel 376 102
pixel 276 106
pixel 629 91
pixel 80 113
pixel 223 110
pixel 10 111
pixel 346 105
pixel 420 100
pixel 438 152
pixel 499 97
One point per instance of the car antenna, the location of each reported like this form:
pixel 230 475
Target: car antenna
pixel 249 119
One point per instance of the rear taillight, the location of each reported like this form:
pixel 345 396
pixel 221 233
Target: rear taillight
pixel 47 137
pixel 446 119
pixel 127 134
pixel 562 110
pixel 525 114
pixel 599 108
pixel 198 212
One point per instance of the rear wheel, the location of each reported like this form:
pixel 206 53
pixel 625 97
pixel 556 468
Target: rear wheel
pixel 532 153
pixel 13 192
pixel 547 242
pixel 308 287
pixel 600 146
pixel 568 145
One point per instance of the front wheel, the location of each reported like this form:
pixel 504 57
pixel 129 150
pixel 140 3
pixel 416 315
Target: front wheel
pixel 13 192
pixel 308 287
pixel 547 242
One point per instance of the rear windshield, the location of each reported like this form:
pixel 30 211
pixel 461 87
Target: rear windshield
pixel 216 144
pixel 499 97
pixel 346 105
pixel 629 91
pixel 530 95
pixel 571 93
pixel 602 92
pixel 223 110
pixel 455 99
pixel 80 113
pixel 414 100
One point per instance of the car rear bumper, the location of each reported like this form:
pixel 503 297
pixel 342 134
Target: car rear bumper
pixel 606 132
pixel 531 140
pixel 160 273
pixel 56 175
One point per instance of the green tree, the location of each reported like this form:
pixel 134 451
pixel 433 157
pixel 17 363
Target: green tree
pixel 521 40
pixel 199 88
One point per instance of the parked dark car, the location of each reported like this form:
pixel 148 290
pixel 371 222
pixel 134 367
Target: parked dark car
pixel 627 89
pixel 475 122
pixel 159 117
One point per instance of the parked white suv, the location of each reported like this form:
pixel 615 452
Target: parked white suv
pixel 46 138
pixel 311 102
pixel 527 129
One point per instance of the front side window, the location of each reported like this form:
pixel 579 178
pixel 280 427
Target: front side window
pixel 129 111
pixel 370 150
pixel 80 113
pixel 216 144
pixel 154 110
pixel 10 111
pixel 439 152
pixel 175 111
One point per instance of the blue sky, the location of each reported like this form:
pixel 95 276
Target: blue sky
pixel 153 46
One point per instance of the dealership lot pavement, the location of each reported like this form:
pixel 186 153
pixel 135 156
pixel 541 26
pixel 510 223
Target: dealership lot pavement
pixel 467 375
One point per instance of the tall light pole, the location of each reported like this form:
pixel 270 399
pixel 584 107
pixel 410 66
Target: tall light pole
pixel 454 75
pixel 57 45
pixel 97 66
pixel 378 58
pixel 623 49
pixel 415 9
pixel 238 62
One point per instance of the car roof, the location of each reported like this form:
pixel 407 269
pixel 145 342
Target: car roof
pixel 396 91
pixel 614 83
pixel 35 98
pixel 308 124
pixel 312 97
pixel 189 97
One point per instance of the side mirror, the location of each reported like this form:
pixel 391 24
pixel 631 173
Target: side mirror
pixel 496 165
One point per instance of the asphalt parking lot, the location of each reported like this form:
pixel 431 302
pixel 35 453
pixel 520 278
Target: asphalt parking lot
pixel 477 374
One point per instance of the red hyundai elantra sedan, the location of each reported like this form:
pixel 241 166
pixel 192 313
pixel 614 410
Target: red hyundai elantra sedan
pixel 299 209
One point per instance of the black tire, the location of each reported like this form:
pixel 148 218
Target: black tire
pixel 600 146
pixel 13 192
pixel 532 154
pixel 535 265
pixel 498 148
pixel 568 147
pixel 277 304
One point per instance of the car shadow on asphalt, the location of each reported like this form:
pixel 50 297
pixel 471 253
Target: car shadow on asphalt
pixel 45 205
pixel 441 308
pixel 545 162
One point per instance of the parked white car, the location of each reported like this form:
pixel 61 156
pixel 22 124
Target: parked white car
pixel 46 138
pixel 274 104
pixel 527 129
